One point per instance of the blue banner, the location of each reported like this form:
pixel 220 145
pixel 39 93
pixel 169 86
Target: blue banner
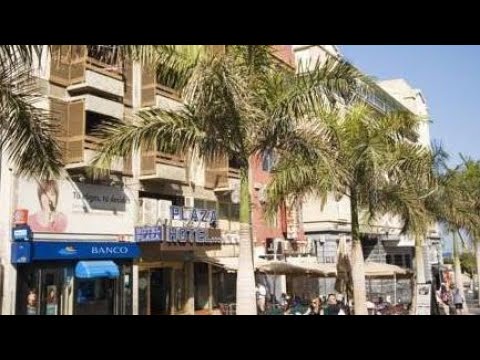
pixel 84 250
pixel 21 253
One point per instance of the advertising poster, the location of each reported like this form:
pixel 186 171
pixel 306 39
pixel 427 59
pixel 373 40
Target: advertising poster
pixel 52 300
pixel 424 298
pixel 65 206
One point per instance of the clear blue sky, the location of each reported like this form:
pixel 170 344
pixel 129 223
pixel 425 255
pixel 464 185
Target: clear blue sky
pixel 449 77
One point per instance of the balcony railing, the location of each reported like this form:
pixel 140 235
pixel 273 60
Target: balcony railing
pixel 114 71
pixel 168 92
pixel 170 159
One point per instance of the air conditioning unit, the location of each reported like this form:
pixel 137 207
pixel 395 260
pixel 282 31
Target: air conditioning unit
pixel 163 210
pixel 149 211
pixel 189 201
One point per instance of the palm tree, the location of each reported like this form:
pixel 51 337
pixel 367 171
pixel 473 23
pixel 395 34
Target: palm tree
pixel 27 132
pixel 456 205
pixel 237 104
pixel 376 163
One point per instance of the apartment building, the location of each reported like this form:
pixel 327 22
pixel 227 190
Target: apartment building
pixel 84 257
pixel 382 242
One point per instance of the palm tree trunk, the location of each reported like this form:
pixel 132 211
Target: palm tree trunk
pixel 246 301
pixel 358 263
pixel 419 272
pixel 457 267
pixel 477 254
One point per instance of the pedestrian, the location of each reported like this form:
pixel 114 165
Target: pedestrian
pixel 261 297
pixel 332 307
pixel 458 300
pixel 445 298
pixel 315 307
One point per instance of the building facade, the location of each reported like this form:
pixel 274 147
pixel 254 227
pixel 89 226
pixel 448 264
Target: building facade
pixel 84 257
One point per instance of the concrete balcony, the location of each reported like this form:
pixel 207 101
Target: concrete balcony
pixel 80 151
pixel 99 81
pixel 157 166
pixel 101 105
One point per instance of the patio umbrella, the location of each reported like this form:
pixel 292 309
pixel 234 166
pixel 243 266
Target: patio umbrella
pixel 286 268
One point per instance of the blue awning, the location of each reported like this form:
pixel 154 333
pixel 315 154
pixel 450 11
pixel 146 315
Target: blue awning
pixel 96 269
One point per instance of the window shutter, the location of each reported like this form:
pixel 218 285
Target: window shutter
pixel 148 86
pixel 60 64
pixel 147 162
pixel 76 131
pixel 216 172
pixel 127 162
pixel 78 64
pixel 59 113
pixel 128 83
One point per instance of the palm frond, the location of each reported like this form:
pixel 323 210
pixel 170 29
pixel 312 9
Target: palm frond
pixel 27 131
pixel 13 56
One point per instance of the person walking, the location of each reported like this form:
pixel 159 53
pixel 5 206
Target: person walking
pixel 261 296
pixel 458 300
pixel 315 307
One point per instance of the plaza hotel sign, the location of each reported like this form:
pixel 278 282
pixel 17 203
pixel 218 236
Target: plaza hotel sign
pixel 186 225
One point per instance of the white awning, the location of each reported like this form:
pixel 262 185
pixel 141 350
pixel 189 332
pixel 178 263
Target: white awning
pixel 303 266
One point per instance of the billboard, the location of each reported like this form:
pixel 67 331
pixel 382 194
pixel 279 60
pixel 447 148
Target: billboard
pixel 65 206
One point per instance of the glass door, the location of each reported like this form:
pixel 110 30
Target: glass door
pixel 144 292
pixel 51 281
pixel 95 296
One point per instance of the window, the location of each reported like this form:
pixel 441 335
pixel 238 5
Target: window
pixel 408 261
pixel 234 163
pixel 268 161
pixel 229 211
pixel 389 259
pixel 235 212
pixel 326 251
pixel 95 120
pixel 224 211
pixel 205 204
pixel 398 260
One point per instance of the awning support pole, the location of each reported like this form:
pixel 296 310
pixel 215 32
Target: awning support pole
pixel 395 288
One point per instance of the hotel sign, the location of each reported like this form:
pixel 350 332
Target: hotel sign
pixel 199 228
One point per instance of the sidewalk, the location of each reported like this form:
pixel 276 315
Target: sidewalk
pixel 472 304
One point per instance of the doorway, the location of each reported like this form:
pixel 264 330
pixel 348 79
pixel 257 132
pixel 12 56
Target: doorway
pixel 95 296
pixel 160 285
pixel 44 290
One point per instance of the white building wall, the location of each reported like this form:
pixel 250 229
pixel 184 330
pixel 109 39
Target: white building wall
pixel 315 217
pixel 413 100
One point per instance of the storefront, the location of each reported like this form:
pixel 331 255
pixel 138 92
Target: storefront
pixel 170 280
pixel 74 278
